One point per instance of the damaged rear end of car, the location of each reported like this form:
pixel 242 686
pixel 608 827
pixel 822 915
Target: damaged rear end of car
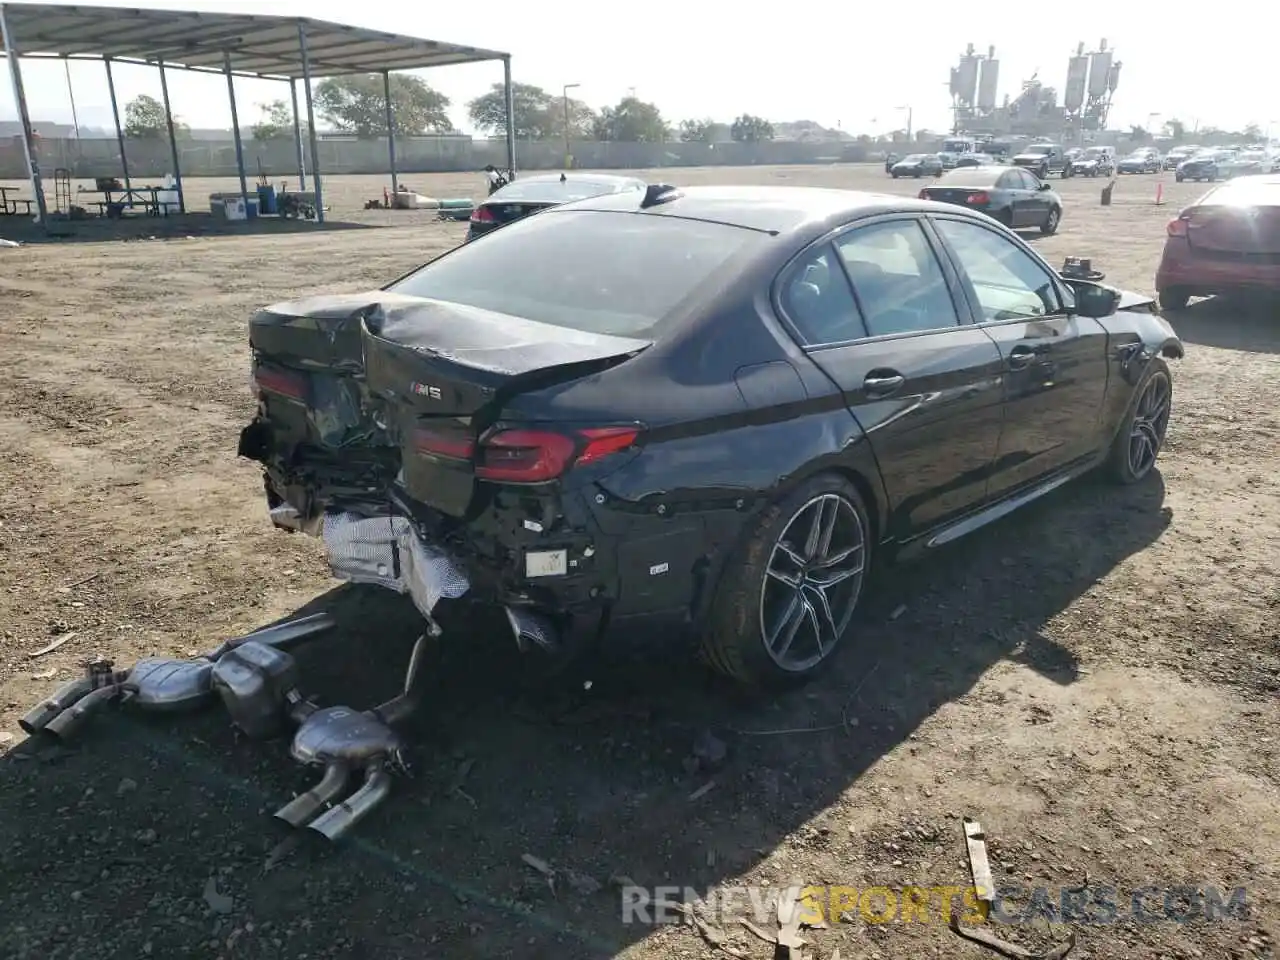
pixel 316 431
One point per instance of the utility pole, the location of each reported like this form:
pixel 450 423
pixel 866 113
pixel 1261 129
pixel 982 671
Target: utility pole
pixel 568 157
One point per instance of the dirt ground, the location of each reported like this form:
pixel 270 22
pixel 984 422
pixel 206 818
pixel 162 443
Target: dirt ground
pixel 1094 680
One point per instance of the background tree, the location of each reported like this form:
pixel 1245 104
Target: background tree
pixel 144 119
pixel 697 131
pixel 1176 130
pixel 276 122
pixel 357 104
pixel 539 115
pixel 751 129
pixel 632 120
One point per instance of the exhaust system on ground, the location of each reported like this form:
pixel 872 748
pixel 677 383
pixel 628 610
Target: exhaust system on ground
pixel 256 680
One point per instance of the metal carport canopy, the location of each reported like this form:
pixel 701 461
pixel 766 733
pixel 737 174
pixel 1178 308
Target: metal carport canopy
pixel 260 46
pixel 239 44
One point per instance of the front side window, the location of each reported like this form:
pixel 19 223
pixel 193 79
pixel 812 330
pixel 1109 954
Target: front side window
pixel 1008 282
pixel 897 278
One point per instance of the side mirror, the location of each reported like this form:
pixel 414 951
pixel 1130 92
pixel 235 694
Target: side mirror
pixel 1096 302
pixel 1045 186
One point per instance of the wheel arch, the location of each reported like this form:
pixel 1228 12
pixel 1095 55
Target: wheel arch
pixel 862 473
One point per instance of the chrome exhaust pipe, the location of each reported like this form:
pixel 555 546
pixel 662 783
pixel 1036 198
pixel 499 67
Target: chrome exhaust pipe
pixel 68 723
pixel 337 821
pixel 280 635
pixel 306 805
pixel 42 714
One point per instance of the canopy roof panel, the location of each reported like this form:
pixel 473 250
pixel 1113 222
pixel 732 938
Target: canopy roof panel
pixel 264 46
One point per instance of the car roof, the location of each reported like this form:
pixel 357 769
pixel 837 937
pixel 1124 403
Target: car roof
pixel 768 209
pixel 588 177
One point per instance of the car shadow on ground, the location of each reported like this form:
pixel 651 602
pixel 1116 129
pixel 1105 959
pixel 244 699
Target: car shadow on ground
pixel 152 833
pixel 1230 323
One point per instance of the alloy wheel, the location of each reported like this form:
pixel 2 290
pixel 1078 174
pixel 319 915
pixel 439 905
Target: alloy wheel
pixel 813 582
pixel 1150 421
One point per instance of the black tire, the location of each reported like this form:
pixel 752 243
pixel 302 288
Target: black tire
pixel 1178 177
pixel 1005 216
pixel 1121 466
pixel 1050 225
pixel 734 642
pixel 894 174
pixel 1173 298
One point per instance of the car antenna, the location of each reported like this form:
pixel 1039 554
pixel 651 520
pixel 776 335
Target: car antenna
pixel 656 193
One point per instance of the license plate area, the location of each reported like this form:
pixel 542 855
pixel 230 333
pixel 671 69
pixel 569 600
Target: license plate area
pixel 546 563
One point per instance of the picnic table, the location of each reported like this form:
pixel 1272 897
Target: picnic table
pixel 10 202
pixel 114 202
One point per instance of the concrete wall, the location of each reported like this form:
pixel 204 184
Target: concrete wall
pixel 278 158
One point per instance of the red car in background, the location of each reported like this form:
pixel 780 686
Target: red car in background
pixel 1226 242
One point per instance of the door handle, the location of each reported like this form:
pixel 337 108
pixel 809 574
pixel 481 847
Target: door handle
pixel 881 383
pixel 1020 358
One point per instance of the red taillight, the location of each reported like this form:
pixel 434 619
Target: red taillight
pixel 526 456
pixel 482 215
pixel 1178 227
pixel 291 385
pixel 535 456
pixel 978 198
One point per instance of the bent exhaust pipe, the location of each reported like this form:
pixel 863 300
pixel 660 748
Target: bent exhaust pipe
pixel 306 805
pixel 68 723
pixel 42 714
pixel 337 821
pixel 280 635
pixel 402 706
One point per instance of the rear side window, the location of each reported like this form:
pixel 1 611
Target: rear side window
pixel 897 278
pixel 817 299
pixel 597 272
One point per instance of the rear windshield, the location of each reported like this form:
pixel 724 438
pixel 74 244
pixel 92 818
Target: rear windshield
pixel 971 177
pixel 598 272
pixel 1038 150
pixel 553 191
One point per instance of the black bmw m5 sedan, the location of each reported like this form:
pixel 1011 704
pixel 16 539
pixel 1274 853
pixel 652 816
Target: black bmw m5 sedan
pixel 715 407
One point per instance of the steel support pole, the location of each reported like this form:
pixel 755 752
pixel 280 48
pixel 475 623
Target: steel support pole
pixel 115 112
pixel 311 122
pixel 391 129
pixel 28 141
pixel 173 139
pixel 511 118
pixel 71 94
pixel 235 129
pixel 297 137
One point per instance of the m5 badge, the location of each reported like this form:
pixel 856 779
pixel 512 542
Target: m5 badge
pixel 426 390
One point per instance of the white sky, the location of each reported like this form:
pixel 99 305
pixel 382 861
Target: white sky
pixel 831 61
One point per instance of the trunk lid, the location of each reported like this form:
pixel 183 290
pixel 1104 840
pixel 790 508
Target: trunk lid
pixel 308 365
pixel 958 195
pixel 446 370
pixel 1236 232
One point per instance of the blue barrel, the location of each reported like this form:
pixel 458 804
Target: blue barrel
pixel 267 199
